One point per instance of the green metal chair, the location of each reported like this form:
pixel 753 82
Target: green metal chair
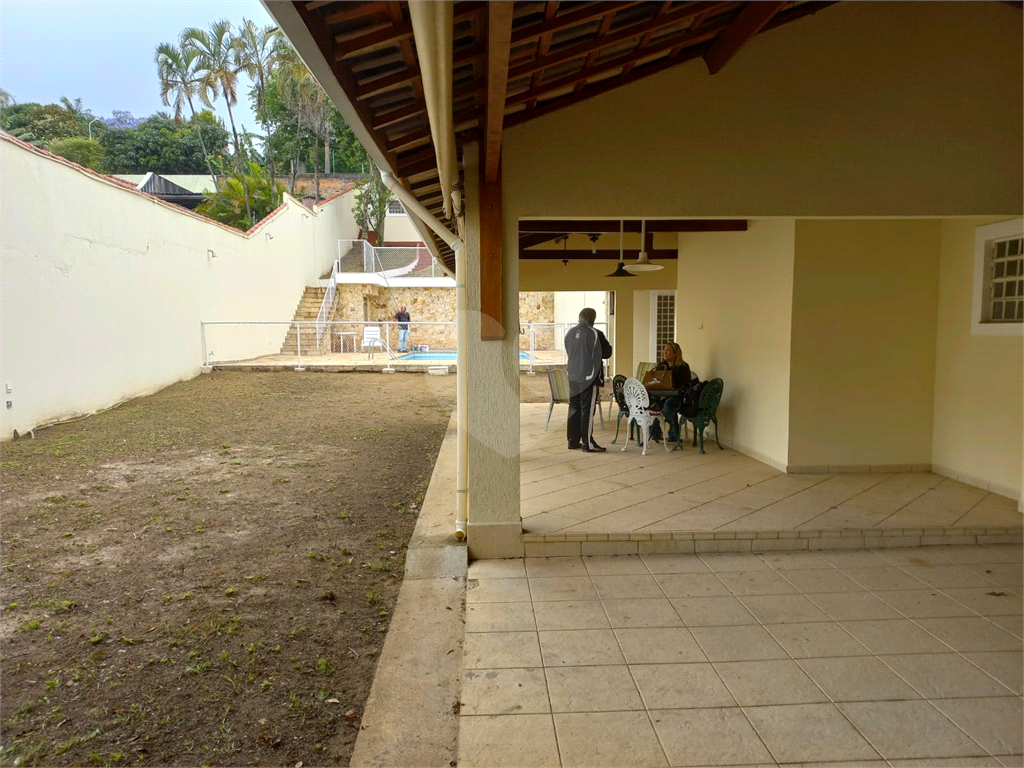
pixel 710 397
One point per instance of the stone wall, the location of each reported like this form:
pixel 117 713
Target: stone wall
pixel 430 305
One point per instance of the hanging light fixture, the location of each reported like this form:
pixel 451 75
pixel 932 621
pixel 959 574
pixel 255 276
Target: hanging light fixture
pixel 593 243
pixel 620 270
pixel 642 264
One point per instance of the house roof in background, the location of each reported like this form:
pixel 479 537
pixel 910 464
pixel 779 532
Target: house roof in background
pixel 190 183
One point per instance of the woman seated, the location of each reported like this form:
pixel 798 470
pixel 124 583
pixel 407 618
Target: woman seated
pixel 672 360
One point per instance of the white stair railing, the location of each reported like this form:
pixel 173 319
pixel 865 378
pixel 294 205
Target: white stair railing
pixel 324 315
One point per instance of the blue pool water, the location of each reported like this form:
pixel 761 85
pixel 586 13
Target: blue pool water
pixel 443 356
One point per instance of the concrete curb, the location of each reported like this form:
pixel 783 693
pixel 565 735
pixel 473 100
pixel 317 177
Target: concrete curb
pixel 412 714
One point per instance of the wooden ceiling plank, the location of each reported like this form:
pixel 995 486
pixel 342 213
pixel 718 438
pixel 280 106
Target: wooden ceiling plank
pixel 499 38
pixel 688 37
pixel 566 20
pixel 530 239
pixel 748 23
pixel 604 40
pixel 606 24
pixel 378 85
pixel 390 35
pixel 351 11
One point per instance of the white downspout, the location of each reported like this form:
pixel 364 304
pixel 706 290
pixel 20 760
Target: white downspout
pixel 415 208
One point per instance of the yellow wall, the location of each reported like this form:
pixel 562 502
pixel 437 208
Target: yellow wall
pixel 589 275
pixel 978 379
pixel 862 109
pixel 733 322
pixel 863 350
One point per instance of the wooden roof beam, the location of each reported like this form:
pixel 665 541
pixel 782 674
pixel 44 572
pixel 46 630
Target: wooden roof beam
pixel 351 11
pixel 687 38
pixel 499 37
pixel 750 21
pixel 603 41
pixel 559 227
pixel 566 20
pixel 390 34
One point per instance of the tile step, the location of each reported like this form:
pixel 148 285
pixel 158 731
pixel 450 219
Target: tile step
pixel 684 542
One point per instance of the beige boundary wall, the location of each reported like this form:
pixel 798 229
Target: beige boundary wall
pixel 104 288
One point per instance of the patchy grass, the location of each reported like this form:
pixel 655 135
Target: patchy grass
pixel 204 576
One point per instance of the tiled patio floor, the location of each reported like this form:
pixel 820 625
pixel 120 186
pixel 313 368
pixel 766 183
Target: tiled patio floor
pixel 573 503
pixel 885 657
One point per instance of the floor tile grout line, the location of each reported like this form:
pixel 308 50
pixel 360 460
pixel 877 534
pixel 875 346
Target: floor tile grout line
pixel 871 487
pixel 630 506
pixel 824 479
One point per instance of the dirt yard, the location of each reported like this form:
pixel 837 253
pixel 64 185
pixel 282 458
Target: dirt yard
pixel 205 576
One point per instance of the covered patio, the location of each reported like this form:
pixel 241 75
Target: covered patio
pixel 819 186
pixel 622 502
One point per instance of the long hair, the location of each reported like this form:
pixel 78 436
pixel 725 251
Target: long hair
pixel 677 350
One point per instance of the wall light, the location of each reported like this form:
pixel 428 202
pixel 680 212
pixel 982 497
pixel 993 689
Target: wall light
pixel 210 254
pixel 269 236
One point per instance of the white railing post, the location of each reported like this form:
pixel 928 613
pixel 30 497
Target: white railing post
pixel 298 346
pixel 533 348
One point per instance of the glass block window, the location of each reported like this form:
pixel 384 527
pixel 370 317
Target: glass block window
pixel 665 321
pixel 1004 281
pixel 395 208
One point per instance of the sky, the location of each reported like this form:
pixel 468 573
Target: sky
pixel 101 51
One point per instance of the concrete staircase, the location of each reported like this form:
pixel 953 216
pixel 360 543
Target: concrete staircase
pixel 308 309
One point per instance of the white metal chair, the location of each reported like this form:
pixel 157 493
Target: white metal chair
pixel 638 404
pixel 372 339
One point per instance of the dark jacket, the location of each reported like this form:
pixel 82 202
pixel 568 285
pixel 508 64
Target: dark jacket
pixel 587 347
pixel 680 373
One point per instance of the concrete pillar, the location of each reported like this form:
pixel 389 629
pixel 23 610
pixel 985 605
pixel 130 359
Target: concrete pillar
pixel 495 525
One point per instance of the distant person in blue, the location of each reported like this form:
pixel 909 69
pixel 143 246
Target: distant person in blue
pixel 587 349
pixel 402 316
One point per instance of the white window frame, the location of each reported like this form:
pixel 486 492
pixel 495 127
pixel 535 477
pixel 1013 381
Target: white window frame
pixel 982 237
pixel 655 350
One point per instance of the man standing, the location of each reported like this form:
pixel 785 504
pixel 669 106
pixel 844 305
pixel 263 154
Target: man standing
pixel 403 329
pixel 587 348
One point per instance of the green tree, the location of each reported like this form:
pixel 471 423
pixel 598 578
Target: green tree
pixel 371 206
pixel 179 81
pixel 78 149
pixel 40 124
pixel 162 145
pixel 229 204
pixel 218 65
pixel 306 100
pixel 6 99
pixel 257 54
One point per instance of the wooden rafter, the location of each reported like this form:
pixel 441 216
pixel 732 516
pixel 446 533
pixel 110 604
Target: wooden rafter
pixel 685 38
pixel 324 40
pixel 350 11
pixel 560 227
pixel 603 41
pixel 567 20
pixel 499 36
pixel 750 21
pixel 552 254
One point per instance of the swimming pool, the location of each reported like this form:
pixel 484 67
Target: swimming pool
pixel 444 356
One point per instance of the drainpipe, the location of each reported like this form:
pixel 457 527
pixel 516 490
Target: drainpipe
pixel 415 208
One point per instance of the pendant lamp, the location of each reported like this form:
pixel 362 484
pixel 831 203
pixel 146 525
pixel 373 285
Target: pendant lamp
pixel 620 270
pixel 642 264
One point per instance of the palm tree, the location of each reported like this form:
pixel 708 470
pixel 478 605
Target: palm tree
pixel 257 54
pixel 218 66
pixel 180 81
